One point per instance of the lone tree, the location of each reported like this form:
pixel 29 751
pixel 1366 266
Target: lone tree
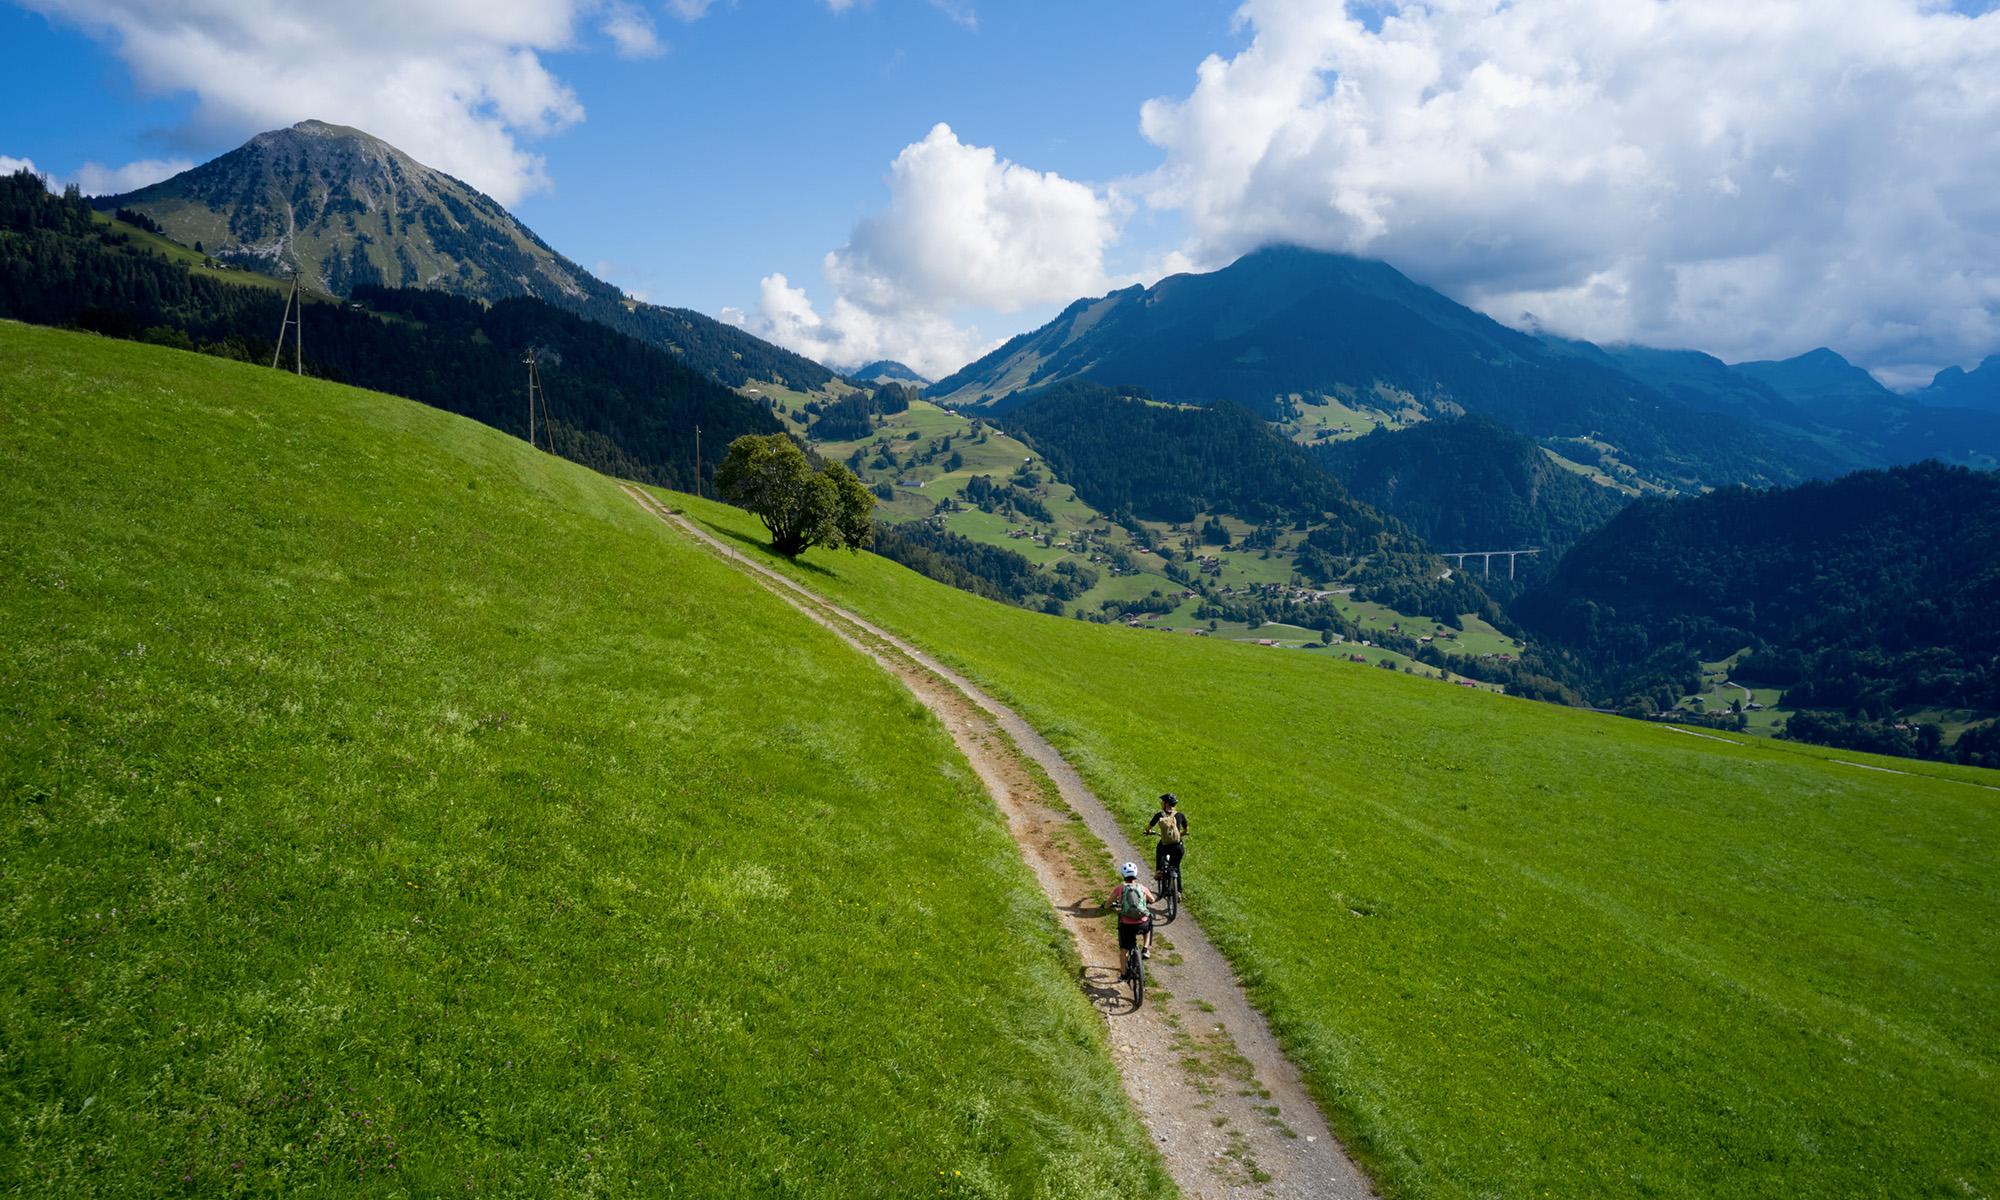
pixel 769 475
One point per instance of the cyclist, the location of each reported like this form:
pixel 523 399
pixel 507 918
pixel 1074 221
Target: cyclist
pixel 1171 825
pixel 1133 900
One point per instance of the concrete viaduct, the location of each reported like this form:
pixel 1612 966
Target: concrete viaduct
pixel 1486 558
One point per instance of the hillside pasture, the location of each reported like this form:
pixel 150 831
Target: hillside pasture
pixel 1526 951
pixel 395 810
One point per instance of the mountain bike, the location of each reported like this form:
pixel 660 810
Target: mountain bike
pixel 1135 970
pixel 1167 885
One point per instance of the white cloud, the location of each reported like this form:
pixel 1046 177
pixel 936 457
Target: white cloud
pixel 1751 179
pixel 965 229
pixel 690 10
pixel 457 83
pixel 851 334
pixel 96 179
pixel 631 30
pixel 961 12
pixel 10 165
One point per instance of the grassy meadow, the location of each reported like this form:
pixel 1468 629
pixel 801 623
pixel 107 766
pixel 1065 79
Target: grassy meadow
pixel 394 810
pixel 1525 951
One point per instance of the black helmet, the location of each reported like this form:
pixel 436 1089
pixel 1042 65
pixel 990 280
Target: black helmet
pixel 1169 799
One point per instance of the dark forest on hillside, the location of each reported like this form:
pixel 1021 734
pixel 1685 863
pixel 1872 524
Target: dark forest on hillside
pixel 1862 598
pixel 1168 463
pixel 1471 484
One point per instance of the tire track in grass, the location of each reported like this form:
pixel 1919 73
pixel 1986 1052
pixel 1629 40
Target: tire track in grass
pixel 1227 1111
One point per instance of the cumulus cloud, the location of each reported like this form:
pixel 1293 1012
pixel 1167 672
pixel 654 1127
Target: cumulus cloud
pixel 10 165
pixel 964 229
pixel 1750 179
pixel 849 334
pixel 96 179
pixel 961 12
pixel 631 30
pixel 457 83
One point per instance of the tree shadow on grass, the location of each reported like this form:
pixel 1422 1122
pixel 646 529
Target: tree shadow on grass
pixel 762 549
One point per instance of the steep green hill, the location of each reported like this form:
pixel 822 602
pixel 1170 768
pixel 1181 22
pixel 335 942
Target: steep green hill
pixel 1526 951
pixel 347 209
pixel 392 809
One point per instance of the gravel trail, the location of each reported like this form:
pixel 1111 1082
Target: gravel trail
pixel 1227 1110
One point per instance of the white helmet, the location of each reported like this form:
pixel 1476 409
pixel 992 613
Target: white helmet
pixel 1129 870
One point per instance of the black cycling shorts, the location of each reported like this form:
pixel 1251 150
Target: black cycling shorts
pixel 1128 932
pixel 1165 851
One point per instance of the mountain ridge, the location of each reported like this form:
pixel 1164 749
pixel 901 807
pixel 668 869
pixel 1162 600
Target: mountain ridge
pixel 1285 321
pixel 346 209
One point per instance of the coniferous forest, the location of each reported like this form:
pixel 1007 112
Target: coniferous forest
pixel 1862 598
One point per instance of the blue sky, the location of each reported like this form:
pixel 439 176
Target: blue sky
pixel 922 178
pixel 750 145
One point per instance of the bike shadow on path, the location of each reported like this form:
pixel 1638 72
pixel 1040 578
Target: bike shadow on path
pixel 1107 988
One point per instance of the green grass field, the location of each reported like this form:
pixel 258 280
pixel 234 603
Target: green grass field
pixel 1525 951
pixel 394 810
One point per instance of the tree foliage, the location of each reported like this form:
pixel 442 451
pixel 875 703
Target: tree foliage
pixel 802 506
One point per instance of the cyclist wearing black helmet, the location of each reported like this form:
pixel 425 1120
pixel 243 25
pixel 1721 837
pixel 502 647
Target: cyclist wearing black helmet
pixel 1171 824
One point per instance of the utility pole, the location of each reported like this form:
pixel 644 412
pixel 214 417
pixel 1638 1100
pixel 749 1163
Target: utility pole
pixel 697 464
pixel 294 320
pixel 538 395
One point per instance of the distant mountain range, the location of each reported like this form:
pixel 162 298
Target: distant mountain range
pixel 345 209
pixel 1978 388
pixel 1286 322
pixel 886 370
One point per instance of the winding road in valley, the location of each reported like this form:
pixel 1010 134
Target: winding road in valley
pixel 1228 1112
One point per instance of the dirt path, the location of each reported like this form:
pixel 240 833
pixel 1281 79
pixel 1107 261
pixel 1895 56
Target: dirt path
pixel 1227 1110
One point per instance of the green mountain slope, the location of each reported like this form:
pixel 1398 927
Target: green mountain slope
pixel 1522 950
pixel 394 809
pixel 347 209
pixel 1469 484
pixel 1286 322
pixel 886 370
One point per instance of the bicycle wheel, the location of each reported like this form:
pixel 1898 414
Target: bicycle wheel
pixel 1173 892
pixel 1137 966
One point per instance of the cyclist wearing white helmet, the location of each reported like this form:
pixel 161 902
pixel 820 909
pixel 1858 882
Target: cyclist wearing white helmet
pixel 1133 900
